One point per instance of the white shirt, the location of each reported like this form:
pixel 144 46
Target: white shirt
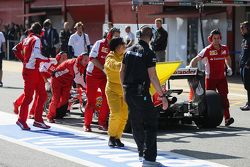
pixel 78 43
pixel 2 40
pixel 129 37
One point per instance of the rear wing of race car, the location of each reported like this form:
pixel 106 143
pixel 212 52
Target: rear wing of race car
pixel 186 73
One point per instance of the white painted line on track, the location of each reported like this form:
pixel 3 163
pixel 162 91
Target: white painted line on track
pixel 86 148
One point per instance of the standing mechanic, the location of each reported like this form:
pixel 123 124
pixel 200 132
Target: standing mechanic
pixel 33 81
pixel 245 61
pixel 45 69
pixel 215 56
pixel 137 71
pixel 96 78
pixel 61 83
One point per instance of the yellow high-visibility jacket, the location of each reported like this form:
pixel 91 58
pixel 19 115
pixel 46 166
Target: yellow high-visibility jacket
pixel 112 67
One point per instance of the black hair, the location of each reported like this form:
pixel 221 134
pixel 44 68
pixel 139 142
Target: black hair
pixel 146 31
pixel 36 28
pixel 115 42
pixel 114 29
pixel 215 32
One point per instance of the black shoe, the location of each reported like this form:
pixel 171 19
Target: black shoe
pixel 245 108
pixel 119 143
pixel 112 142
pixel 1 84
pixel 229 121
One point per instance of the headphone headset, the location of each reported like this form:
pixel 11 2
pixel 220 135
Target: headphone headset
pixel 139 32
pixel 214 32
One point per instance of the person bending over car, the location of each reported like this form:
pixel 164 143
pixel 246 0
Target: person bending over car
pixel 61 82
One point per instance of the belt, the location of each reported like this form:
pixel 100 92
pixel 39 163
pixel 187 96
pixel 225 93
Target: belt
pixel 132 86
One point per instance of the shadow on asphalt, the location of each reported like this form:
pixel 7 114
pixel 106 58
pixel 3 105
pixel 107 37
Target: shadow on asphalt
pixel 203 155
pixel 236 79
pixel 180 131
pixel 11 87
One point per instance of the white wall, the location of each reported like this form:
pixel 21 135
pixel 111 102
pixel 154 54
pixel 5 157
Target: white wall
pixel 177 39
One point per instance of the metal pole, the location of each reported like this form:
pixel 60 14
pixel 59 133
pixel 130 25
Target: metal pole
pixel 200 7
pixel 137 17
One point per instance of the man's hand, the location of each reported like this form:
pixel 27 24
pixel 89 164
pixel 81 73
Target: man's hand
pixel 164 103
pixel 229 72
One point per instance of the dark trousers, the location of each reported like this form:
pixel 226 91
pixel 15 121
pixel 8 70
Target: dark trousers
pixel 49 52
pixel 144 123
pixel 1 60
pixel 245 76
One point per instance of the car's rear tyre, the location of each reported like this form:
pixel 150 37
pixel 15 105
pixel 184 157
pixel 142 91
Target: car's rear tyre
pixel 214 112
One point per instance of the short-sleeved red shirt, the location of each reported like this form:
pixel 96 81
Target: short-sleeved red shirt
pixel 214 60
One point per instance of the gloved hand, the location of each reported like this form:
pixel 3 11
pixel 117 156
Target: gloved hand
pixel 53 61
pixel 229 72
pixel 47 87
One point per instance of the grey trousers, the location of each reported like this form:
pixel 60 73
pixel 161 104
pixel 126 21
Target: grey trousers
pixel 160 55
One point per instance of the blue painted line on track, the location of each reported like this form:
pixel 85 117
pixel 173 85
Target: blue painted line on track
pixel 91 147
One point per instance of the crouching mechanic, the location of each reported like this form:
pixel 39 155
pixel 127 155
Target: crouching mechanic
pixel 215 56
pixel 62 80
pixel 33 81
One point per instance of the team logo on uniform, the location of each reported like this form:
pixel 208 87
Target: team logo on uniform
pixel 104 50
pixel 213 53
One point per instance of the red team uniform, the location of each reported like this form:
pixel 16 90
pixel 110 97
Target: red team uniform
pixel 33 81
pixel 214 61
pixel 61 84
pixel 96 78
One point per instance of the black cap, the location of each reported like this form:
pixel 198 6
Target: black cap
pixel 115 42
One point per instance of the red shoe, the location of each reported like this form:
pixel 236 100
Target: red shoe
pixel 41 125
pixel 23 125
pixel 103 127
pixel 87 128
pixel 16 110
